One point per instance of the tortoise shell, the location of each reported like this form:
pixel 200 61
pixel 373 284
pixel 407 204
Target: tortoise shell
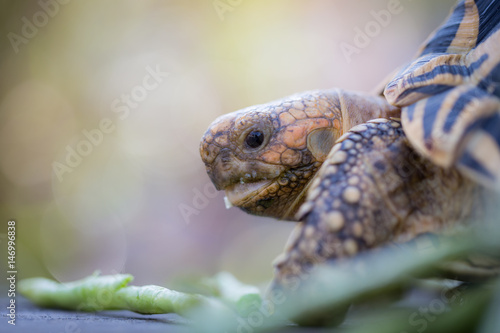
pixel 450 94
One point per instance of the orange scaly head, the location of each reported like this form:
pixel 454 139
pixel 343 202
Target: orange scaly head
pixel 264 156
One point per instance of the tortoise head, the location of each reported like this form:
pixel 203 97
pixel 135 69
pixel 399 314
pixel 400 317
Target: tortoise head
pixel 264 156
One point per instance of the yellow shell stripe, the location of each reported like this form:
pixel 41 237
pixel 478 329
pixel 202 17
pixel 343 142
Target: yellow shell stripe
pixel 443 61
pixel 450 94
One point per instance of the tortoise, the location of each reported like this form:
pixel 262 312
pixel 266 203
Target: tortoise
pixel 360 171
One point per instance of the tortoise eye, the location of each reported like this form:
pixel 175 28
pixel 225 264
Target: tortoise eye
pixel 254 139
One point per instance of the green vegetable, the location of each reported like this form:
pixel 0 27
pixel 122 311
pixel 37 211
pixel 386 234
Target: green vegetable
pixel 108 292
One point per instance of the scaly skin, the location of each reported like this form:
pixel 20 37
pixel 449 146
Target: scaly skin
pixel 372 190
pixel 298 131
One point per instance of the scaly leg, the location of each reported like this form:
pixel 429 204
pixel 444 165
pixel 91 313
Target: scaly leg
pixel 372 189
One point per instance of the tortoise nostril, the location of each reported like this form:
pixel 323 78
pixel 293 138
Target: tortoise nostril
pixel 209 152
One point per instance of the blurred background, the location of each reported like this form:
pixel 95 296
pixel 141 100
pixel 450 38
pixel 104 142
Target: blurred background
pixel 103 103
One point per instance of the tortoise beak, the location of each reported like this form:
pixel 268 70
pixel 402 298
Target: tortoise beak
pixel 227 170
pixel 224 170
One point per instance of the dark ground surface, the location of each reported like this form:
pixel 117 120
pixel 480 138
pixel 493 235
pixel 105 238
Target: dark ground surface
pixel 30 318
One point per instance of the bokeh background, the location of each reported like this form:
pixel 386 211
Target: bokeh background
pixel 140 201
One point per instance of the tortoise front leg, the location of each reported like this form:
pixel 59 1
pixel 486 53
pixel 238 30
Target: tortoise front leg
pixel 372 189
